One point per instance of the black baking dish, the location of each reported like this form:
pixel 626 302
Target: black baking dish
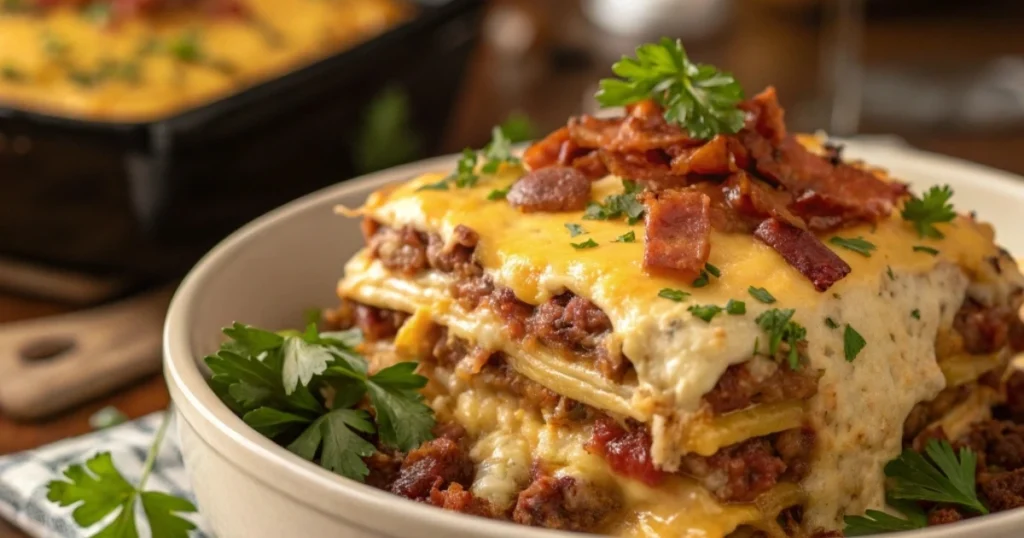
pixel 144 201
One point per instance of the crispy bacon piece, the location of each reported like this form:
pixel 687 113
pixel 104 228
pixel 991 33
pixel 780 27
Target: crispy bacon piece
pixel 678 228
pixel 803 250
pixel 754 199
pixel 826 194
pixel 558 149
pixel 550 190
pixel 711 159
pixel 651 168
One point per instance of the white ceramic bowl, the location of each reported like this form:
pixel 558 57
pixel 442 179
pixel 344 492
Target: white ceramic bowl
pixel 272 270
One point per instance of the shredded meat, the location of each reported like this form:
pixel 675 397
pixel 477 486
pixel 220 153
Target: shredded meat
pixel 434 465
pixel 804 251
pixel 678 228
pixel 984 329
pixel 457 499
pixel 563 503
pixel 998 444
pixel 741 472
pixel 472 291
pixel 941 515
pixel 760 381
pixel 1003 491
pixel 456 257
pixel 375 323
pixel 550 190
pixel 403 250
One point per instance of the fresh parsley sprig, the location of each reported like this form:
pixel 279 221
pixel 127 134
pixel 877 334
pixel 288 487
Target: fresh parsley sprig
pixel 99 489
pixel 932 208
pixel 697 97
pixel 778 324
pixel 496 153
pixel 276 382
pixel 944 476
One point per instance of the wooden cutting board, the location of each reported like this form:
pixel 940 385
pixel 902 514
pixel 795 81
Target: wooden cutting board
pixel 53 363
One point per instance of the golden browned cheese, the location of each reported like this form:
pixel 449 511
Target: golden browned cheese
pixel 46 60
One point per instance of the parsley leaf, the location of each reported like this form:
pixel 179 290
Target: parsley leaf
pixel 942 478
pixel 673 295
pixel 464 175
pixel 574 229
pixel 99 489
pixel 831 323
pixel 853 342
pixel 933 208
pixel 926 250
pixel 915 313
pixel 10 73
pixel 386 137
pixel 628 237
pixel 858 245
pixel 888 271
pixel 698 97
pixel 497 194
pixel 441 185
pixel 703 279
pixel 705 312
pixel 736 308
pixel 518 127
pixel 589 243
pixel 778 324
pixel 616 205
pixel 277 382
pixel 498 152
pixel 342 448
pixel 761 294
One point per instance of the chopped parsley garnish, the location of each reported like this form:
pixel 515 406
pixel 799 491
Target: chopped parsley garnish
pixel 932 208
pixel 97 489
pixel 517 127
pixel 673 295
pixel 616 205
pixel 915 313
pixel 589 243
pixel 831 323
pixel 778 324
pixel 888 271
pixel 628 237
pixel 439 186
pixel 498 152
pixel 735 308
pixel 186 47
pixel 939 476
pixel 761 294
pixel 858 245
pixel 54 46
pixel 464 175
pixel 926 250
pixel 705 312
pixel 574 229
pixel 11 74
pixel 697 97
pixel 705 276
pixel 276 382
pixel 497 194
pixel 853 342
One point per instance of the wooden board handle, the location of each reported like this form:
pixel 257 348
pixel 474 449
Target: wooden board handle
pixel 50 364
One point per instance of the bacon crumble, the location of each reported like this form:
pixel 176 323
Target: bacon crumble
pixel 760 181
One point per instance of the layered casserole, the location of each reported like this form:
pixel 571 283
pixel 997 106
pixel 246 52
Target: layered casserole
pixel 141 60
pixel 642 334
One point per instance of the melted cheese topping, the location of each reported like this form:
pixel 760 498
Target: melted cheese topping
pixel 304 30
pixel 861 405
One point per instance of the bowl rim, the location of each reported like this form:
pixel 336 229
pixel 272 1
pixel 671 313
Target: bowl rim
pixel 364 506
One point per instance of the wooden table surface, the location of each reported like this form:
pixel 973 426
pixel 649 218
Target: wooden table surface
pixel 549 81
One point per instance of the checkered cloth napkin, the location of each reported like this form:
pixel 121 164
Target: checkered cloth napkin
pixel 23 476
